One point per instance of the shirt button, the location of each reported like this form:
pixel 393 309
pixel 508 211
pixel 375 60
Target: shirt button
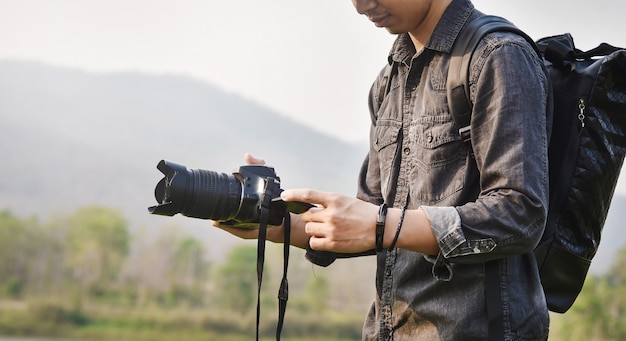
pixel 429 138
pixel 407 151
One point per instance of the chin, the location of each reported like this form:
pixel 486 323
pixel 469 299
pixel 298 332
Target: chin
pixel 392 31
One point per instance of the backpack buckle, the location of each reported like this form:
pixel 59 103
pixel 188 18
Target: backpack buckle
pixel 465 134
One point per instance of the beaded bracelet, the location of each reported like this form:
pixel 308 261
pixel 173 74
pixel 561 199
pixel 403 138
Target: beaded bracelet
pixel 380 226
pixel 395 237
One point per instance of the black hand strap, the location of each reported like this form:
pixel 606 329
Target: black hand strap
pixel 283 292
pixel 260 251
pixel 272 189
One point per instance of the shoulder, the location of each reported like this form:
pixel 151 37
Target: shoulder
pixel 505 53
pixel 505 46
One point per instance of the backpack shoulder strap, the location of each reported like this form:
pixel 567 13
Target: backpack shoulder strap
pixel 458 73
pixel 384 88
pixel 460 104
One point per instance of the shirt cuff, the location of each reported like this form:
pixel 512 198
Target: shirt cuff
pixel 446 225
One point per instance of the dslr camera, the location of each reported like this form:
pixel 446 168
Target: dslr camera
pixel 234 199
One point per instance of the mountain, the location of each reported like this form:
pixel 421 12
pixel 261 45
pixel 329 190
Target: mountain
pixel 72 138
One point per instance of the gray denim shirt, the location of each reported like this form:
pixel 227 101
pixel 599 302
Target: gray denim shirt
pixel 485 202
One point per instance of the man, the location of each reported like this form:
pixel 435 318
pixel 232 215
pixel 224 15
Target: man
pixel 452 209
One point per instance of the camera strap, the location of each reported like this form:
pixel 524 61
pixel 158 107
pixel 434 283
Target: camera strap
pixel 272 189
pixel 283 292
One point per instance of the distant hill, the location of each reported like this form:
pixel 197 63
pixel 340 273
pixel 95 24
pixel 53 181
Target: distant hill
pixel 72 138
pixel 114 128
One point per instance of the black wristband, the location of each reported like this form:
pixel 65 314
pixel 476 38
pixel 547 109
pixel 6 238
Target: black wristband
pixel 380 226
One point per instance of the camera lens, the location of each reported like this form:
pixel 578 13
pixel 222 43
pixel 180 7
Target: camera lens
pixel 196 193
pixel 213 195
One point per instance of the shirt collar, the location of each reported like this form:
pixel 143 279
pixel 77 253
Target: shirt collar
pixel 442 38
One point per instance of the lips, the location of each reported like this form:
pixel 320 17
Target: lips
pixel 379 20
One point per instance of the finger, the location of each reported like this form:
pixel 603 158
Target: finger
pixel 313 214
pixel 241 233
pixel 313 229
pixel 320 244
pixel 305 195
pixel 251 160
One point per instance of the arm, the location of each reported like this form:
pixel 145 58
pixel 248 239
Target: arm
pixel 509 139
pixel 344 224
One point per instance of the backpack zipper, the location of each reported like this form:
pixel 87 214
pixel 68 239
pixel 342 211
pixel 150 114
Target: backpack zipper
pixel 581 113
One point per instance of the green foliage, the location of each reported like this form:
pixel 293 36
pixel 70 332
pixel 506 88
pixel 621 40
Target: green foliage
pixel 50 319
pixel 236 280
pixel 317 289
pixel 599 313
pixel 84 276
pixel 189 271
pixel 57 314
pixel 97 243
pixel 19 246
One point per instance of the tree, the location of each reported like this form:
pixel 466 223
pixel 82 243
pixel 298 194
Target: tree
pixel 189 270
pixel 15 249
pixel 599 311
pixel 236 279
pixel 168 269
pixel 317 293
pixel 616 300
pixel 149 266
pixel 97 243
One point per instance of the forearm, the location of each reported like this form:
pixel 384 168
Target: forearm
pixel 416 233
pixel 298 236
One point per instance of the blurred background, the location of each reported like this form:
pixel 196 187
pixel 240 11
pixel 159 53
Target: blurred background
pixel 93 94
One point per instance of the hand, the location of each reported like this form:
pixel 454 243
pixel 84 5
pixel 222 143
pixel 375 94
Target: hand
pixel 340 223
pixel 274 233
pixel 246 233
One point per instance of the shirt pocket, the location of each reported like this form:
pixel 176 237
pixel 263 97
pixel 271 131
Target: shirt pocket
pixel 440 159
pixel 386 139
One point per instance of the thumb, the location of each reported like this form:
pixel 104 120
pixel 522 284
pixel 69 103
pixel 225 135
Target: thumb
pixel 251 160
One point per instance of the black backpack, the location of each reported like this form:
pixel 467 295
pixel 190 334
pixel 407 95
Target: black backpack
pixel 586 150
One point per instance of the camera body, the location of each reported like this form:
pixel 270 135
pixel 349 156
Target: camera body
pixel 234 199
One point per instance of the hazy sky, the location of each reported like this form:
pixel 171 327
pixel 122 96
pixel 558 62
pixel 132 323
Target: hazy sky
pixel 310 60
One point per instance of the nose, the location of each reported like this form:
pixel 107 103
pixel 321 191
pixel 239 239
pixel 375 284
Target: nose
pixel 363 6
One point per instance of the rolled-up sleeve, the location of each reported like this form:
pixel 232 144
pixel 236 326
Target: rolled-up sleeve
pixel 446 225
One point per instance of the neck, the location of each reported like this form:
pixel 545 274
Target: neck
pixel 420 34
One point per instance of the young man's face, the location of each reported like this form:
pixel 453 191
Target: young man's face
pixel 396 16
